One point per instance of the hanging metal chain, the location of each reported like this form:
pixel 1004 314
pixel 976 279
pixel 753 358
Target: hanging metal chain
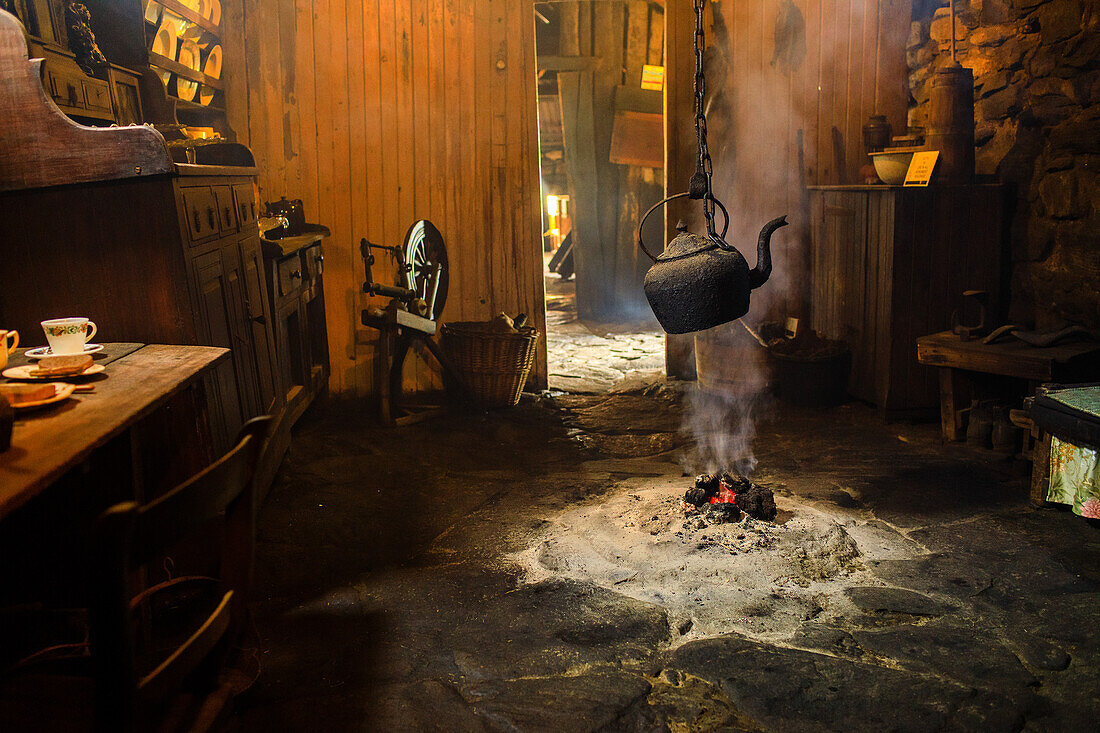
pixel 701 185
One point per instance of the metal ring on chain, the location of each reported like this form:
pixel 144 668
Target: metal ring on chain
pixel 720 241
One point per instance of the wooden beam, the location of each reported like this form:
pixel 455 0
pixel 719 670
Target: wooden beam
pixel 568 63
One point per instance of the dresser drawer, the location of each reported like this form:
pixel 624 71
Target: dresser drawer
pixel 66 88
pixel 97 95
pixel 227 210
pixel 201 210
pixel 290 275
pixel 315 262
pixel 245 196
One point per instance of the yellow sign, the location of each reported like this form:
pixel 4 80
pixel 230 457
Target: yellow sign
pixel 653 78
pixel 921 167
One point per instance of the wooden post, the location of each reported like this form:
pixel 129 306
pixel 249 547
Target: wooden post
pixel 679 150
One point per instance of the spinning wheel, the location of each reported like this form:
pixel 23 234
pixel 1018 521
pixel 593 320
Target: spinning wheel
pixel 414 310
pixel 422 252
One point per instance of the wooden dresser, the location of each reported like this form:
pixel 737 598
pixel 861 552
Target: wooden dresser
pixel 889 265
pixel 104 223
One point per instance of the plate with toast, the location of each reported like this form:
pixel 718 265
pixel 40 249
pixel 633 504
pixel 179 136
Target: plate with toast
pixel 50 368
pixel 30 396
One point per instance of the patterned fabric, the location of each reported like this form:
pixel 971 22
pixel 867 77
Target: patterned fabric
pixel 1075 478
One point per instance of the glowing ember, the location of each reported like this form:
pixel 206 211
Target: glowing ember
pixel 726 489
pixel 725 494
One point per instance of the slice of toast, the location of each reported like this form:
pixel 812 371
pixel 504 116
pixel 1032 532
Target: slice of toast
pixel 62 365
pixel 17 394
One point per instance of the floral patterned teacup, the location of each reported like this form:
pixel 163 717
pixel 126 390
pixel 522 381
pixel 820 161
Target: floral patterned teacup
pixel 5 349
pixel 68 335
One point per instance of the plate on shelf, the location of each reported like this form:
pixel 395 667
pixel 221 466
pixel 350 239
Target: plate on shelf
pixel 45 351
pixel 214 8
pixel 164 43
pixel 62 391
pixel 189 57
pixel 26 373
pixel 213 69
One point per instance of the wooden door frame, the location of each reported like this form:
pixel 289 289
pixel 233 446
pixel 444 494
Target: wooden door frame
pixel 679 153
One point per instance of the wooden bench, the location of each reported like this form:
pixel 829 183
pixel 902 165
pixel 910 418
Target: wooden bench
pixel 960 361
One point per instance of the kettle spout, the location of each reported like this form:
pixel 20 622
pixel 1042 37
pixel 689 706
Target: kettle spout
pixel 763 270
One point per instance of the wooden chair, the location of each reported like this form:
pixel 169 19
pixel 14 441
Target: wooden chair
pixel 137 660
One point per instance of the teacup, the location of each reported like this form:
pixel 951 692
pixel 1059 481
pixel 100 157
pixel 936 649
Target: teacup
pixel 4 348
pixel 68 335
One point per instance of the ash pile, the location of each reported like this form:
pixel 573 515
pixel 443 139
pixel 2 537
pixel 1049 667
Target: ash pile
pixel 724 497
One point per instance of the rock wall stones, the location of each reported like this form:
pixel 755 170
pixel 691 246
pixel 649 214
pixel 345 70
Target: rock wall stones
pixel 1036 65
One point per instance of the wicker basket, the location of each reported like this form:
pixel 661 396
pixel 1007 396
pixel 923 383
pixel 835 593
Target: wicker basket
pixel 493 365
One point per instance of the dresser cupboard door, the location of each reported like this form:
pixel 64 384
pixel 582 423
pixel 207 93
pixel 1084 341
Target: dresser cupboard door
pixel 260 321
pixel 240 329
pixel 214 309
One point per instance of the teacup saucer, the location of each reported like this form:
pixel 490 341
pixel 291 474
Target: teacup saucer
pixel 45 351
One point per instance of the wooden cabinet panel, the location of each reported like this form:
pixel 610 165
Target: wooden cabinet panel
pixel 890 265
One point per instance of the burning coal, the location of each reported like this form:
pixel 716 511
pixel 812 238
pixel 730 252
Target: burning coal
pixel 726 490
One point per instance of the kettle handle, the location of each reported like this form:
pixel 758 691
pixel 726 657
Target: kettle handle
pixel 662 202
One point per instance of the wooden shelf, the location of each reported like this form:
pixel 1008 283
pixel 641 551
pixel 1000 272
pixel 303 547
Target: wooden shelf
pixel 190 15
pixel 163 62
pixel 182 105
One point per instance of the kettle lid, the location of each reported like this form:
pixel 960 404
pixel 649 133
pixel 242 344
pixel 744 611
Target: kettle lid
pixel 686 244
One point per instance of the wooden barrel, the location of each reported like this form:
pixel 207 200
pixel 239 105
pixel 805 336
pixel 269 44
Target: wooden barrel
pixel 729 361
pixel 951 124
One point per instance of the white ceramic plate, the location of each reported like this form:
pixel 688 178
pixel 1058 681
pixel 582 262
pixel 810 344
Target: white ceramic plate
pixel 26 373
pixel 213 69
pixel 62 391
pixel 165 41
pixel 45 351
pixel 189 57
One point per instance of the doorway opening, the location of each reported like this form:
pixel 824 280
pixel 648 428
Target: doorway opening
pixel 601 143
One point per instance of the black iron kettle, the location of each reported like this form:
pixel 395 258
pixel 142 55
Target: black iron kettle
pixel 700 281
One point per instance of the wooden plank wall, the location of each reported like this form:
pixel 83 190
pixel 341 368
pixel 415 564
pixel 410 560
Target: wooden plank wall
pixel 853 65
pixel 377 113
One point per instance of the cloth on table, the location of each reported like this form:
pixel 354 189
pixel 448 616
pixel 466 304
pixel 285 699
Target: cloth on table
pixel 1075 478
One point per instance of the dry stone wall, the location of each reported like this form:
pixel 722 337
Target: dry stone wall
pixel 1036 66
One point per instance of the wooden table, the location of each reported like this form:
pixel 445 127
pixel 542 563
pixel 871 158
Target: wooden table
pixel 959 360
pixel 48 443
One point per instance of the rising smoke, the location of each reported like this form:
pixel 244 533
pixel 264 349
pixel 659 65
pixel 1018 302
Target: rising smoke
pixel 752 121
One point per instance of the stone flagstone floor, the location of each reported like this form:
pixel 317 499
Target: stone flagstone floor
pixel 394 594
